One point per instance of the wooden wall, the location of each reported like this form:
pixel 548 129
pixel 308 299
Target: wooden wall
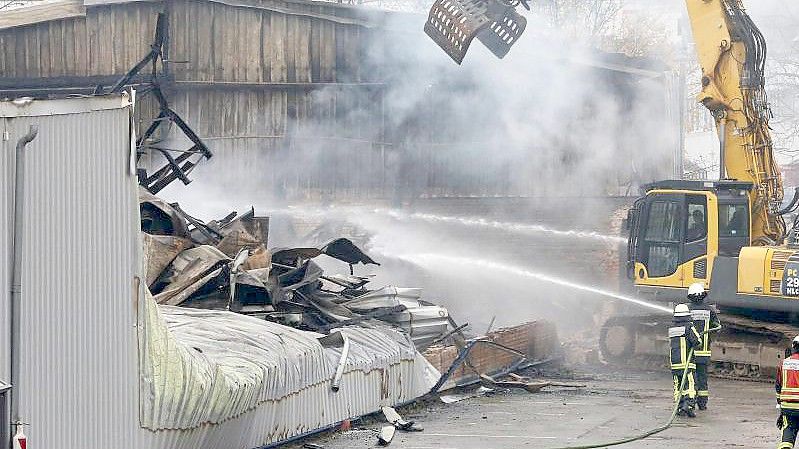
pixel 252 42
pixel 109 40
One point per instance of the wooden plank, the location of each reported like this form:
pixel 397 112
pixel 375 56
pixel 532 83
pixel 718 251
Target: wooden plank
pixel 291 43
pixel 277 48
pixel 32 52
pixel 43 34
pixel 340 49
pixel 93 37
pixel 242 112
pixel 353 54
pixel 252 105
pixel 19 54
pixel 81 47
pixel 302 50
pixel 228 117
pixel 106 54
pixel 192 33
pixel 184 39
pixel 217 42
pixel 231 39
pixel 5 50
pixel 203 53
pixel 315 48
pixel 266 42
pixel 56 43
pixel 68 39
pixel 128 20
pixel 327 58
pixel 254 46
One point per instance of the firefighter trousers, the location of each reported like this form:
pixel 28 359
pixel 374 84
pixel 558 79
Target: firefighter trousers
pixel 790 425
pixel 688 397
pixel 702 392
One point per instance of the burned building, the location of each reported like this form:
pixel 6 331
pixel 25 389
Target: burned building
pixel 312 99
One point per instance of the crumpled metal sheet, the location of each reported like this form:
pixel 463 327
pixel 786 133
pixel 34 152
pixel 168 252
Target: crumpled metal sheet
pixel 344 250
pixel 205 367
pixel 387 296
pixel 158 217
pixel 245 231
pixel 191 269
pixel 161 250
pixel 424 322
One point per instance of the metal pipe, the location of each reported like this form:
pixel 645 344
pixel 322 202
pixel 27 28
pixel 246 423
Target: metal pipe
pixel 16 266
pixel 345 350
pixel 722 144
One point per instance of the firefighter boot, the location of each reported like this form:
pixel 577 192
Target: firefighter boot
pixel 686 408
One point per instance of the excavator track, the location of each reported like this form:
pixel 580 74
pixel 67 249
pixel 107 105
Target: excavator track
pixel 745 349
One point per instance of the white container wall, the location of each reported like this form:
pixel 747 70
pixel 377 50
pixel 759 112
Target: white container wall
pixel 78 358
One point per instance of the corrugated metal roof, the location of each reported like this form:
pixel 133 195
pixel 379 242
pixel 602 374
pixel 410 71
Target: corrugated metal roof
pixel 202 367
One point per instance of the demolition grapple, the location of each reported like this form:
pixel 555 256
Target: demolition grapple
pixel 453 24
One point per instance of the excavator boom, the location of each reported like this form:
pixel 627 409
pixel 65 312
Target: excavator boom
pixel 732 52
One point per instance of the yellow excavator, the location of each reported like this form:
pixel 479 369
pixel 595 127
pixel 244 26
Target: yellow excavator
pixel 728 234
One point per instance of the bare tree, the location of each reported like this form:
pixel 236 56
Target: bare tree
pixel 783 89
pixel 582 18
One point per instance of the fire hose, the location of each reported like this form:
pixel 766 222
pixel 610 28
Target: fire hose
pixel 648 433
pixel 659 429
pixel 467 349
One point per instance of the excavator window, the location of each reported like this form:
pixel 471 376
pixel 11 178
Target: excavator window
pixel 733 220
pixel 663 237
pixel 733 227
pixel 697 219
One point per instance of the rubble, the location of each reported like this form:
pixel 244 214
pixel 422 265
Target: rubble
pixel 225 264
pixel 463 363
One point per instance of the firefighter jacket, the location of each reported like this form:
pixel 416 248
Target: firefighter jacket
pixel 788 383
pixel 704 317
pixel 683 337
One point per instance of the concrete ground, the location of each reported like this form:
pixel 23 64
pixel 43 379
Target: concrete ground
pixel 612 406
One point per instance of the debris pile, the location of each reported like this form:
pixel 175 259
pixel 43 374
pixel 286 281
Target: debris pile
pixel 226 264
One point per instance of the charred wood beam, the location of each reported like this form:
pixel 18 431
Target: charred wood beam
pixel 156 50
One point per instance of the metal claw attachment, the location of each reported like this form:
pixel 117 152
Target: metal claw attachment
pixel 453 24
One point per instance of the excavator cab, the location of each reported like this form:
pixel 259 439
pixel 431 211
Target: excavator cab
pixel 679 227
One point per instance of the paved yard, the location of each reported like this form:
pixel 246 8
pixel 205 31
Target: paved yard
pixel 613 406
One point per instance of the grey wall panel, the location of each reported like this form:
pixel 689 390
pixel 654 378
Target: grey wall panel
pixel 78 365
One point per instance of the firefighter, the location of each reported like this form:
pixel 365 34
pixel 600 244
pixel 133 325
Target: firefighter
pixel 706 320
pixel 788 396
pixel 683 338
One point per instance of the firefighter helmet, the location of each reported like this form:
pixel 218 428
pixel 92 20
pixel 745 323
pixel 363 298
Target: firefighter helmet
pixel 682 310
pixel 697 291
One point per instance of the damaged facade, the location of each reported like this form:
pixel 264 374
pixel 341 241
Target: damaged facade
pixel 95 343
pixel 306 94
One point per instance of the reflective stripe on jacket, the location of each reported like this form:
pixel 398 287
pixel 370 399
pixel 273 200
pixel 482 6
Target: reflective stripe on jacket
pixel 682 338
pixel 704 318
pixel 788 383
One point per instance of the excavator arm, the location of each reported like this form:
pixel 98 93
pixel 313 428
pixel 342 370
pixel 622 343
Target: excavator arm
pixel 731 52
